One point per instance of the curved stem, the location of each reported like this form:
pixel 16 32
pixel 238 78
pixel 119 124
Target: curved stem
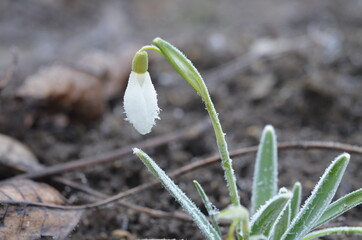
pixel 150 47
pixel 187 70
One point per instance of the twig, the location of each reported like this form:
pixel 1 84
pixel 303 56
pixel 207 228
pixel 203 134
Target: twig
pixel 149 211
pixel 182 134
pixel 187 133
pixel 307 145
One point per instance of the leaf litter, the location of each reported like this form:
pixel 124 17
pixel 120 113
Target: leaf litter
pixel 21 220
pixel 20 216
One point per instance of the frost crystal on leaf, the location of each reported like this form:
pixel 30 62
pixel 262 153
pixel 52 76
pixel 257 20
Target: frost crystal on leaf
pixel 140 102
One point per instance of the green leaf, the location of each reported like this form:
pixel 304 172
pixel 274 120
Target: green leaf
pixel 334 230
pixel 281 224
pixel 264 218
pixel 266 170
pixel 340 206
pixel 296 200
pixel 201 221
pixel 210 208
pixel 258 237
pixel 233 212
pixel 240 220
pixel 181 64
pixel 319 200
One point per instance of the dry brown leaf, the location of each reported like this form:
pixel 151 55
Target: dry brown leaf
pixel 84 89
pixel 67 89
pixel 22 221
pixel 14 156
pixel 112 69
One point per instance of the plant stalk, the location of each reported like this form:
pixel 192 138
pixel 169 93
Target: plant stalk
pixel 223 150
pixel 186 69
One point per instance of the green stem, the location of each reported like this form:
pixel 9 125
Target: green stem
pixel 231 232
pixel 150 47
pixel 223 149
pixel 186 69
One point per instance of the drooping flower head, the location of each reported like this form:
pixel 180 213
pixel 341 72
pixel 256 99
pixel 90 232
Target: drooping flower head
pixel 140 98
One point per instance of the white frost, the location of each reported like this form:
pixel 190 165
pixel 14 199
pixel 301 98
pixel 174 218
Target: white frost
pixel 140 102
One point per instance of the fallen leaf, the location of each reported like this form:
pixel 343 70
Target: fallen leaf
pixel 82 89
pixel 113 70
pixel 21 220
pixel 15 157
pixel 18 218
pixel 66 89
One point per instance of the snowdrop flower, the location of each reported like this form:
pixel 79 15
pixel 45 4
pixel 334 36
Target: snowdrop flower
pixel 140 98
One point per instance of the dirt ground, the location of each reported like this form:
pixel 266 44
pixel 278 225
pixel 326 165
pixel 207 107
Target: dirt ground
pixel 294 64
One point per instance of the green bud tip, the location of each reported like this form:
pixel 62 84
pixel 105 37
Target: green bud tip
pixel 140 62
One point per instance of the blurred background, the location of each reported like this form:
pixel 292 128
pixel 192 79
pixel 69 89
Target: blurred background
pixel 297 65
pixel 44 30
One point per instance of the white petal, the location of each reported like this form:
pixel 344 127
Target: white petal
pixel 140 102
